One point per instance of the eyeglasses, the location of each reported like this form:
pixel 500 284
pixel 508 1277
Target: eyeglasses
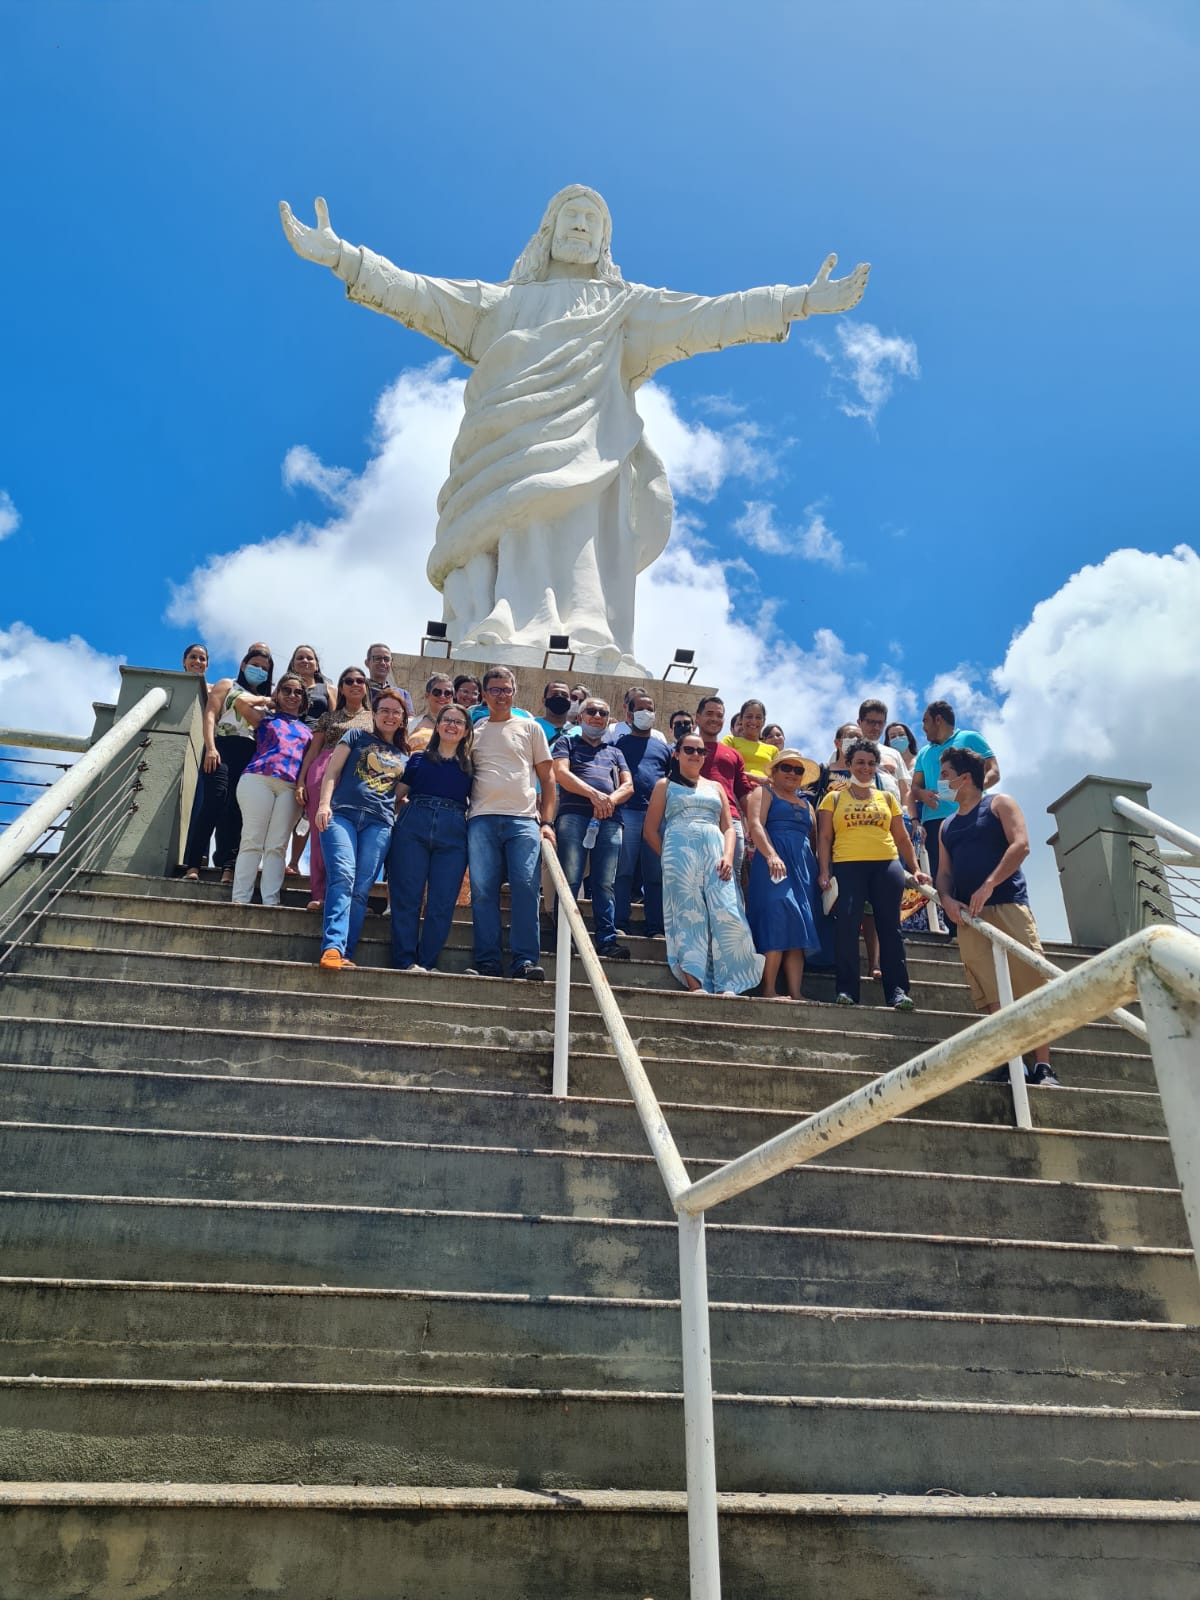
pixel 786 766
pixel 289 690
pixel 446 722
pixel 691 750
pixel 503 690
pixel 354 683
pixel 377 657
pixel 593 711
pixel 441 694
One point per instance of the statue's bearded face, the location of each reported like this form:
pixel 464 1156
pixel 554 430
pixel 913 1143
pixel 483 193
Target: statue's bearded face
pixel 578 233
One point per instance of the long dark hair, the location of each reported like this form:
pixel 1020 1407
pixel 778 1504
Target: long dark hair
pixel 361 672
pixel 318 675
pixel 674 775
pixel 292 677
pixel 261 688
pixel 466 744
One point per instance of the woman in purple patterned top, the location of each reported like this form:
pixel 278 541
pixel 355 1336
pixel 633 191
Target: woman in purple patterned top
pixel 266 791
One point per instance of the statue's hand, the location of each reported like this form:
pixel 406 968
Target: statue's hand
pixel 826 294
pixel 319 244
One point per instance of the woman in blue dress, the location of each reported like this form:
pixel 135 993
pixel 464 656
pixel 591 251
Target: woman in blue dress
pixel 780 897
pixel 688 824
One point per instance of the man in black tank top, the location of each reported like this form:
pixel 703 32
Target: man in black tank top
pixel 979 872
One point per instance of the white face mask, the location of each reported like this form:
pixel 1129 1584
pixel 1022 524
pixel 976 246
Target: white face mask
pixel 847 745
pixel 642 720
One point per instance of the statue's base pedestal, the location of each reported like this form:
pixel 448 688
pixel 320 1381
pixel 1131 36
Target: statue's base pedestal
pixel 532 676
pixel 587 663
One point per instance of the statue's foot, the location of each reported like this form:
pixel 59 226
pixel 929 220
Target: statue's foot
pixel 482 640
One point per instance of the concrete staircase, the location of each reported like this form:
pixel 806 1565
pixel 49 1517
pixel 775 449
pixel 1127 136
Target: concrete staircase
pixel 310 1289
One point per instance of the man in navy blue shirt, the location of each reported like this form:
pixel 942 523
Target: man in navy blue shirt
pixel 593 782
pixel 648 755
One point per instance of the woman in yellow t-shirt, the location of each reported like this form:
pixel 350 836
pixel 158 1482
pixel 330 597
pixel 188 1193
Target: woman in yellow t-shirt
pixel 861 841
pixel 756 755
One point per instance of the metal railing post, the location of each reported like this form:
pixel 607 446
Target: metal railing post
pixel 698 1430
pixel 1016 1067
pixel 1173 1020
pixel 562 1004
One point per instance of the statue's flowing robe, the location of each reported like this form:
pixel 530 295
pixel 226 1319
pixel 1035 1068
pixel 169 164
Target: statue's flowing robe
pixel 551 438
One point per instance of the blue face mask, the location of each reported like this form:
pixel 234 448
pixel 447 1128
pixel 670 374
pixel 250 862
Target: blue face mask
pixel 899 743
pixel 254 676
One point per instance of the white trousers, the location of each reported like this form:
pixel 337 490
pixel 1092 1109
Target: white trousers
pixel 269 813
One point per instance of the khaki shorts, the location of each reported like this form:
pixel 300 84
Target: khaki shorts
pixel 976 952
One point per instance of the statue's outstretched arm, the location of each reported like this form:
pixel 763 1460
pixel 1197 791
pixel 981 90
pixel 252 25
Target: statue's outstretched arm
pixel 320 244
pixel 824 294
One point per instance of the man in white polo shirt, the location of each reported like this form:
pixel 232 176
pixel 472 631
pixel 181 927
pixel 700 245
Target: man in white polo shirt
pixel 513 801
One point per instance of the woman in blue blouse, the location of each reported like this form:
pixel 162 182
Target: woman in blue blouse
pixel 429 842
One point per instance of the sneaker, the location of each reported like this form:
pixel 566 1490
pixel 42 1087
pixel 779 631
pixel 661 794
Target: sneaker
pixel 1041 1076
pixel 331 960
pixel 413 968
pixel 844 1000
pixel 482 972
pixel 901 1001
pixel 613 952
pixel 531 972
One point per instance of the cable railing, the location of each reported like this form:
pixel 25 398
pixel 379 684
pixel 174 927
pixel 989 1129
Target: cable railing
pixel 104 783
pixel 1177 870
pixel 23 779
pixel 1159 967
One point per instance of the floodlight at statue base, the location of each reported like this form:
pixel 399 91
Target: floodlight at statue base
pixel 560 649
pixel 434 635
pixel 684 664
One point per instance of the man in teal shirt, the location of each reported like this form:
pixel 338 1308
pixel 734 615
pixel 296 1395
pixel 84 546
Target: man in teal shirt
pixel 935 799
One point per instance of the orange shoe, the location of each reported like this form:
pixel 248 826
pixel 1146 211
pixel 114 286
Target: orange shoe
pixel 332 961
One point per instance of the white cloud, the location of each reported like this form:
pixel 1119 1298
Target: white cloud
pixel 50 683
pixel 699 458
pixel 302 469
pixel 814 540
pixel 10 517
pixel 867 366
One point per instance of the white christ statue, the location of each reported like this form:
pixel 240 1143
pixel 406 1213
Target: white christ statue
pixel 555 499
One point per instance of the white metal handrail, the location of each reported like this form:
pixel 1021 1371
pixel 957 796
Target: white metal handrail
pixel 1187 843
pixel 1159 966
pixel 29 827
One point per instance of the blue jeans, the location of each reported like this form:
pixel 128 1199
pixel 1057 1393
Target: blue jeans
pixel 637 860
pixel 353 845
pixel 428 849
pixel 569 829
pixel 496 845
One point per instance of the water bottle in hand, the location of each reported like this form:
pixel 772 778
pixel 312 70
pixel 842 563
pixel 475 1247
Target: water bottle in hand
pixel 591 833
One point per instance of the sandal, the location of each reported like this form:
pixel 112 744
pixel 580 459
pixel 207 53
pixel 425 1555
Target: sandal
pixel 291 872
pixel 192 875
pixel 227 876
pixel 315 905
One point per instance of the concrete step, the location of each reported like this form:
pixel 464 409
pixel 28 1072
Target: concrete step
pixel 124 1329
pixel 222 930
pixel 219 1432
pixel 55 1159
pixel 212 991
pixel 80 1236
pixel 194 1541
pixel 526 1067
pixel 924 946
pixel 213 1103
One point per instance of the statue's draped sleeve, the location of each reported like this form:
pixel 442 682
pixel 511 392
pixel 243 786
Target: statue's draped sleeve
pixel 665 326
pixel 447 310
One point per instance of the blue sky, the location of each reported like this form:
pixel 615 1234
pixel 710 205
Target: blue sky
pixel 1022 177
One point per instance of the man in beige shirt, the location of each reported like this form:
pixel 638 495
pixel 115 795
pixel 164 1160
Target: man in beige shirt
pixel 510 816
